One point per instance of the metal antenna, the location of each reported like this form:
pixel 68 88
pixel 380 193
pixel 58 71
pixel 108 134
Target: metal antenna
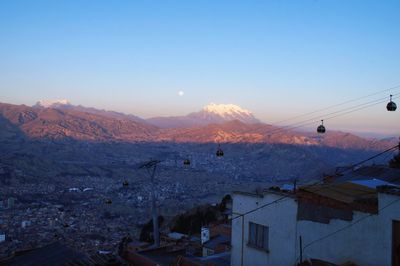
pixel 151 167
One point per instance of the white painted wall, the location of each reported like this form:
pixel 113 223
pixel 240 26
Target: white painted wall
pixel 368 242
pixel 365 243
pixel 281 220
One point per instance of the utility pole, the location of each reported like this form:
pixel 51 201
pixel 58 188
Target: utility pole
pixel 151 167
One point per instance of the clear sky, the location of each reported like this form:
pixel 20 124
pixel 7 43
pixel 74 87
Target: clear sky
pixel 275 58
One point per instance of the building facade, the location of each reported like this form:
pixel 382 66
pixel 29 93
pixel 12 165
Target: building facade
pixel 347 223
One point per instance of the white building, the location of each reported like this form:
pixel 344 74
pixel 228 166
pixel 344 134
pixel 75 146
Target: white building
pixel 25 224
pixel 337 223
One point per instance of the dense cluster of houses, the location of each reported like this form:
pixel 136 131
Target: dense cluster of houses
pixel 347 219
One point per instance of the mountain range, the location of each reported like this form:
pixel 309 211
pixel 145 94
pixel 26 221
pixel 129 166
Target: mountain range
pixel 214 123
pixel 66 105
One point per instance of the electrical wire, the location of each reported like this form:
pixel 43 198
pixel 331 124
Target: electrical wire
pixel 315 183
pixel 328 117
pixel 336 114
pixel 286 197
pixel 349 225
pixel 375 156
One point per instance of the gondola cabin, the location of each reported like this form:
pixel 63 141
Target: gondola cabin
pixel 391 106
pixel 321 128
pixel 219 152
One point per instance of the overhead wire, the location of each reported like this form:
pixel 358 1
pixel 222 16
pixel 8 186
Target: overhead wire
pixel 369 105
pixel 331 115
pixel 335 114
pixel 349 225
pixel 287 196
pixel 328 117
pixel 316 183
pixel 388 157
pixel 339 104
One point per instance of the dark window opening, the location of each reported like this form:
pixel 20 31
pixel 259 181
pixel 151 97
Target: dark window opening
pixel 258 236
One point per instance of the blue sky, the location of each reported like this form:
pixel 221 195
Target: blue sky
pixel 275 58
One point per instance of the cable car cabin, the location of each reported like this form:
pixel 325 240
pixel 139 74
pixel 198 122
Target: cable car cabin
pixel 125 184
pixel 108 201
pixel 321 128
pixel 391 106
pixel 219 153
pixel 186 162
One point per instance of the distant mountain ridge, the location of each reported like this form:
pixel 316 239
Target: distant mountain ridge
pixel 67 123
pixel 66 105
pixel 89 124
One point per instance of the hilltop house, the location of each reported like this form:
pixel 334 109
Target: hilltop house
pixel 346 222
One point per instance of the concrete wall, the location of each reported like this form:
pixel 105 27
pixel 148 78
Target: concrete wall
pixel 281 220
pixel 366 243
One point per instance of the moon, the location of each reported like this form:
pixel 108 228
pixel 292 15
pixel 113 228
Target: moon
pixel 181 93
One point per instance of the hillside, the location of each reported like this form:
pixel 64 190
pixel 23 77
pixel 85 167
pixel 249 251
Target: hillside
pixel 49 123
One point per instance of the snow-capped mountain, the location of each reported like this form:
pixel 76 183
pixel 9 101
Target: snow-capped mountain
pixel 212 113
pixel 52 103
pixel 225 109
pixel 216 113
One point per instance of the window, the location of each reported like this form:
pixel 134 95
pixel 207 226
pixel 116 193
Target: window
pixel 258 236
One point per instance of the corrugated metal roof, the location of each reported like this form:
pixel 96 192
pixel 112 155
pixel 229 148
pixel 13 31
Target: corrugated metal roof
pixel 220 239
pixel 373 183
pixel 345 192
pixel 381 172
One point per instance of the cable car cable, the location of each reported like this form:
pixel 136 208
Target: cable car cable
pixel 339 104
pixel 368 104
pixel 339 113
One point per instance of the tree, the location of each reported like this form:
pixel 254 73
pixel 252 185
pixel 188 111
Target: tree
pixel 146 233
pixel 395 162
pixel 225 200
pixel 192 221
